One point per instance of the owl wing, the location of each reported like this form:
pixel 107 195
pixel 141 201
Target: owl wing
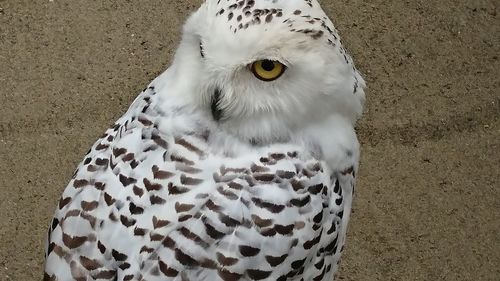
pixel 155 200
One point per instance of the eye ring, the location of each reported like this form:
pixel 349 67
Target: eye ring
pixel 267 70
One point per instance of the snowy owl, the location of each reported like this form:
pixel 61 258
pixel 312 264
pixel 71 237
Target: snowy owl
pixel 236 163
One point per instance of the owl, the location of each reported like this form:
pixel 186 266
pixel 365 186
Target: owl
pixel 236 163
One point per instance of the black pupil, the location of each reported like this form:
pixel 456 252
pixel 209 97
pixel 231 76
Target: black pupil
pixel 267 65
pixel 201 51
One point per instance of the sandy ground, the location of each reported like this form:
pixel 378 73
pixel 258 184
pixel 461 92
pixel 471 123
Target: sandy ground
pixel 428 202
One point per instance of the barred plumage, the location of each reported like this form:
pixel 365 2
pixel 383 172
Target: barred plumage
pixel 170 192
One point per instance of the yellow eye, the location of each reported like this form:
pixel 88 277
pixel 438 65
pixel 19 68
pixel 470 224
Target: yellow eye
pixel 268 70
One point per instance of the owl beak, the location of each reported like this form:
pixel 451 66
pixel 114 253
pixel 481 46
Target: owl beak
pixel 217 112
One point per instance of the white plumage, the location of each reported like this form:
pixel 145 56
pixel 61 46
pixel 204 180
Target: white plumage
pixel 236 163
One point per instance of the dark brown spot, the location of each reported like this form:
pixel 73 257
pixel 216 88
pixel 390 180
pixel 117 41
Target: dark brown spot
pixel 298 263
pixel 102 162
pixel 260 222
pixel 264 177
pixel 144 121
pixel 89 206
pixel 156 200
pixel 228 275
pixel 274 208
pixel 277 156
pixel 161 174
pixel 190 181
pixel 157 223
pixel 226 261
pixel 101 146
pixel 228 221
pixel 338 201
pixel 336 188
pixel 146 249
pixel 104 274
pixel 320 264
pixel 138 191
pixel 59 251
pixel 80 183
pixel 317 218
pixel 212 206
pixel 315 189
pixel 159 141
pixel 212 232
pixel 118 256
pixel 285 174
pixel 284 229
pixel 301 202
pixel 248 251
pixel 173 189
pixel 72 213
pixel 47 277
pixel 100 185
pixel 128 157
pixel 316 167
pixel 134 209
pixel 151 186
pixel 168 242
pixel 126 180
pixel 89 264
pixel 112 216
pixel 297 185
pixel 348 171
pixel 124 266
pixel 91 168
pixel 134 164
pixel 188 146
pixel 119 151
pixel 332 247
pixel 108 199
pixel 268 232
pixel 227 193
pixel 274 261
pixel 181 159
pixel 256 274
pixel 64 202
pixel 180 208
pixel 187 169
pixel 308 244
pixel 320 277
pixel 139 231
pixel 264 159
pixel 127 221
pixel 235 185
pixel 185 259
pixel 165 269
pixel 73 241
pixel 192 236
pixel 155 236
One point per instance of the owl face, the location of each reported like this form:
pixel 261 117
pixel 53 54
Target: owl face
pixel 266 68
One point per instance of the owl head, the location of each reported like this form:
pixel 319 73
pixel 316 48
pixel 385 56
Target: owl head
pixel 265 69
